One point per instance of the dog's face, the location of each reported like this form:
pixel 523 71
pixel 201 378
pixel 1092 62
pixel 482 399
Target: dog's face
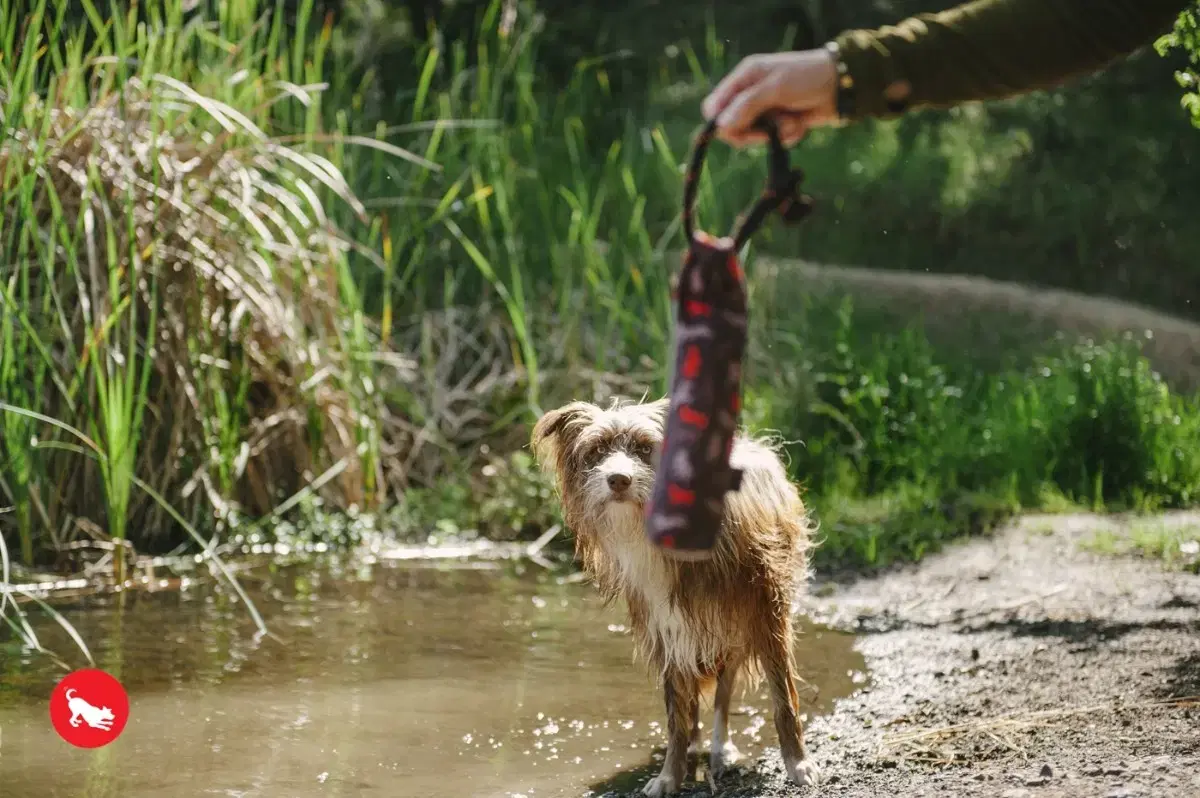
pixel 602 459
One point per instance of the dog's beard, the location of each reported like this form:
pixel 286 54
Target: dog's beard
pixel 612 513
pixel 624 517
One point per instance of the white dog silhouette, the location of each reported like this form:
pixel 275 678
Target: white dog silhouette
pixel 82 712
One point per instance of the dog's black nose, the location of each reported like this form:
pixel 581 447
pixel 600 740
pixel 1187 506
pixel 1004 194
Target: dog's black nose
pixel 619 482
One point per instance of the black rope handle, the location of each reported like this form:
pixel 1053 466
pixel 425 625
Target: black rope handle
pixel 782 191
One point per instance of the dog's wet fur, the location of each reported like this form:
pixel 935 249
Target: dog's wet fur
pixel 701 624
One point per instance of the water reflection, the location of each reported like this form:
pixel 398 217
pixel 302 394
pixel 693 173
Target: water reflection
pixel 397 681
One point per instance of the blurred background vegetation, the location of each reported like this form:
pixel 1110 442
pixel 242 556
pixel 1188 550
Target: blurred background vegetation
pixel 301 261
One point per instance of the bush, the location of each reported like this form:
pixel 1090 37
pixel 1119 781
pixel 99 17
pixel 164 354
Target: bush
pixel 902 449
pixel 1112 432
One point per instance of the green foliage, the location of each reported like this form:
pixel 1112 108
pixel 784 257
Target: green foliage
pixel 510 498
pixel 1185 36
pixel 902 448
pixel 1112 432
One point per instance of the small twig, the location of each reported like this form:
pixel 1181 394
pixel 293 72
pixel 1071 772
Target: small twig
pixel 941 596
pixel 1004 742
pixel 1012 605
pixel 536 546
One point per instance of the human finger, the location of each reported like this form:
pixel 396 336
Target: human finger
pixel 741 138
pixel 748 71
pixel 792 126
pixel 736 122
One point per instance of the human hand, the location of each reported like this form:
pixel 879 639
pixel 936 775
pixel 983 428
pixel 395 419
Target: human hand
pixel 798 88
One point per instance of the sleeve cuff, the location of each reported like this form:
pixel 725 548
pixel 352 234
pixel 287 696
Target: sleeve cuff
pixel 870 84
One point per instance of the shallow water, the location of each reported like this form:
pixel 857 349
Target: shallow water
pixel 398 680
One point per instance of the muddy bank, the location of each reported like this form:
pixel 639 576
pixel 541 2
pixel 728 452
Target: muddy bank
pixel 1019 666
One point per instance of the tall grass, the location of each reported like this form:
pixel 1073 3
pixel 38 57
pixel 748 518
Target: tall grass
pixel 174 277
pixel 572 232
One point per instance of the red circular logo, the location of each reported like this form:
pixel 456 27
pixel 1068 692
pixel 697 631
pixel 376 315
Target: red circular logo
pixel 89 708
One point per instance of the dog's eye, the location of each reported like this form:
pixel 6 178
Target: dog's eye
pixel 644 450
pixel 592 457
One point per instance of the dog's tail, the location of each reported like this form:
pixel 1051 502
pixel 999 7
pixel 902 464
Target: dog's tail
pixel 70 693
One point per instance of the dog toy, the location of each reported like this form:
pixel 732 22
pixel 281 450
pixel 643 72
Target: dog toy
pixel 686 507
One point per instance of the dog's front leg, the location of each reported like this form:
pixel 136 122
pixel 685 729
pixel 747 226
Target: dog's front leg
pixel 694 739
pixel 681 696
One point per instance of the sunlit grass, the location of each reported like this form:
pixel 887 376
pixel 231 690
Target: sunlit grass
pixel 1176 546
pixel 175 279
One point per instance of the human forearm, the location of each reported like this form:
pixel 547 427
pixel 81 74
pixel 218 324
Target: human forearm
pixel 991 49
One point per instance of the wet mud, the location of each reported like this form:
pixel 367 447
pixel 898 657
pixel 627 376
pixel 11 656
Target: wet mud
pixel 1021 665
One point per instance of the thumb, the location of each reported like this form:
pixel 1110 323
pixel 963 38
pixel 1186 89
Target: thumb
pixel 793 126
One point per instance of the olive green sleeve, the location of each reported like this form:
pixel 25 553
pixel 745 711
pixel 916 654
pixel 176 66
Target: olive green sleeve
pixel 990 49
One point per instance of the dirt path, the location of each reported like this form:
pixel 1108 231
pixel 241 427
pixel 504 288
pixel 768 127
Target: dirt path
pixel 1085 655
pixel 991 313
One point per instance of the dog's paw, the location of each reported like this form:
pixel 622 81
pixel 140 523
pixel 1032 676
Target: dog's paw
pixel 721 758
pixel 804 772
pixel 660 785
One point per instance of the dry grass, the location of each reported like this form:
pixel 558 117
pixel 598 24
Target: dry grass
pixel 949 744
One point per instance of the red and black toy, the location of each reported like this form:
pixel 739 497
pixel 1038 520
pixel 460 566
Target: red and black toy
pixel 683 516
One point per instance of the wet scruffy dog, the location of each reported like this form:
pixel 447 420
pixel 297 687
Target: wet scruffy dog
pixel 699 624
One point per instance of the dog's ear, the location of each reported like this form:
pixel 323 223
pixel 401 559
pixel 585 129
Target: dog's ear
pixel 553 430
pixel 657 409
